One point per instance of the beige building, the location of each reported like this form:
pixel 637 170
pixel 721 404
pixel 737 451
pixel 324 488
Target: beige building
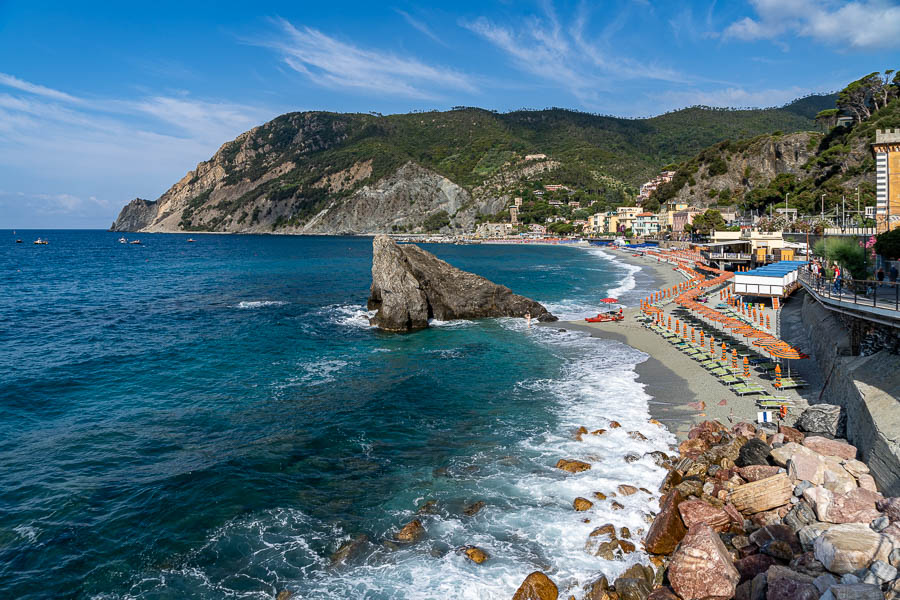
pixel 887 179
pixel 493 230
pixel 626 216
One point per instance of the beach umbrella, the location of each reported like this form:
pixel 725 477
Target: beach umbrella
pixel 746 367
pixel 670 322
pixel 702 343
pixel 609 300
pixel 693 339
pixel 768 326
pixel 724 352
pixel 778 376
pixel 734 362
pixel 677 327
pixel 712 346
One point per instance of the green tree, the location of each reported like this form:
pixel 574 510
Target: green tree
pixel 709 221
pixel 436 221
pixel 827 118
pixel 845 252
pixel 887 244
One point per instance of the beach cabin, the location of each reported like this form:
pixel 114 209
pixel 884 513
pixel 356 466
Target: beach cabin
pixel 775 280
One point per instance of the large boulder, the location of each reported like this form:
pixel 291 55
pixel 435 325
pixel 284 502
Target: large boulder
pixel 537 586
pixel 828 447
pixel 822 418
pixel 410 286
pixel 702 567
pixel 851 546
pixel 667 528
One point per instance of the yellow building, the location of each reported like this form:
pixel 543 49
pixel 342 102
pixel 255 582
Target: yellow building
pixel 887 179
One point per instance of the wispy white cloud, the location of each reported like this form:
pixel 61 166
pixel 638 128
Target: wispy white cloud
pixel 331 63
pixel 420 26
pixel 861 24
pixel 567 57
pixel 88 147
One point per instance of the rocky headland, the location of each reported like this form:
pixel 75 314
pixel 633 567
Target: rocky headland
pixel 411 286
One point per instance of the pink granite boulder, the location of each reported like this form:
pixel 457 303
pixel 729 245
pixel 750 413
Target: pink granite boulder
pixel 827 447
pixel 702 568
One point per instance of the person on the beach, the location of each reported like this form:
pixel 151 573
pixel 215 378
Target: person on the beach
pixel 528 319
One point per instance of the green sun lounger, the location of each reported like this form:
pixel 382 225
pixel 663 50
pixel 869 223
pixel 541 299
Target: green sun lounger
pixel 747 389
pixel 789 384
pixel 730 380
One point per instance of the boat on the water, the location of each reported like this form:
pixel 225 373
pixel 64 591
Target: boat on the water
pixel 18 241
pixel 41 242
pixel 191 240
pixel 135 242
pixel 122 240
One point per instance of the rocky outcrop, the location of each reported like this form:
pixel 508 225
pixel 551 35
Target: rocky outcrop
pixel 411 286
pixel 135 215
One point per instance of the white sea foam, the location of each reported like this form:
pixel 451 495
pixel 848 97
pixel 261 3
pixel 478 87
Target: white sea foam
pixel 453 324
pixel 348 315
pixel 628 282
pixel 245 304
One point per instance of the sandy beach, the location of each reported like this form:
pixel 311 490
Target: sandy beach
pixel 684 393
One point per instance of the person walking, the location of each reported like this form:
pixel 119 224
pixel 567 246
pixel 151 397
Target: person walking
pixel 892 274
pixel 880 276
pixel 837 279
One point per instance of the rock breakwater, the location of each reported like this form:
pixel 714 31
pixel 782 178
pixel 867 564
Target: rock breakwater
pixel 758 512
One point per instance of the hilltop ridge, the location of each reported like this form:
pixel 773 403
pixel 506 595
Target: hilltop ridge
pixel 325 172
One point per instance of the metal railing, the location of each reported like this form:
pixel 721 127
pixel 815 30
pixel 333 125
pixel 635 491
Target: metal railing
pixel 861 292
pixel 725 255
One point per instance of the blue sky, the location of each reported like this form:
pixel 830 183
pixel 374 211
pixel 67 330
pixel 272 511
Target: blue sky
pixel 103 102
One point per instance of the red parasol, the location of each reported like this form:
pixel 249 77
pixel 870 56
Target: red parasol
pixel 610 300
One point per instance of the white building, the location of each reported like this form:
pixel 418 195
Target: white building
pixel 493 230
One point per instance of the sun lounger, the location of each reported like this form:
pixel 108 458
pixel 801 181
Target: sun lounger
pixel 730 380
pixel 789 384
pixel 747 389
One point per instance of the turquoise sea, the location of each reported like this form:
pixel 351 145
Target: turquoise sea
pixel 213 419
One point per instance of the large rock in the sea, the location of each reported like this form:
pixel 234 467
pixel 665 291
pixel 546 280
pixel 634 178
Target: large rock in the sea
pixel 702 567
pixel 537 586
pixel 667 528
pixel 410 286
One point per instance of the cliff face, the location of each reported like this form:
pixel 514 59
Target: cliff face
pixel 410 286
pixel 135 215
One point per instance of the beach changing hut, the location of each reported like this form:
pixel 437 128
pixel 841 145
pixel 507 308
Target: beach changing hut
pixel 775 280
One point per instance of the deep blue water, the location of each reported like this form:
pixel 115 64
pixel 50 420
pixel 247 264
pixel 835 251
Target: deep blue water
pixel 213 419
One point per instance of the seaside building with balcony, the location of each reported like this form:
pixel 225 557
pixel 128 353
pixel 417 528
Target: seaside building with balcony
pixel 645 224
pixel 493 230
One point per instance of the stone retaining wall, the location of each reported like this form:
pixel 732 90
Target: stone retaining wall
pixel 866 387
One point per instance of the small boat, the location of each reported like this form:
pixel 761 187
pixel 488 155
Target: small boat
pixel 135 242
pixel 41 242
pixel 122 240
pixel 191 240
pixel 18 241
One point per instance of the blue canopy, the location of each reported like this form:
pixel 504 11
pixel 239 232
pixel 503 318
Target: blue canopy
pixel 778 269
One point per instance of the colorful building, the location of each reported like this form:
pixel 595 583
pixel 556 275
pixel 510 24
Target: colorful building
pixel 887 179
pixel 645 224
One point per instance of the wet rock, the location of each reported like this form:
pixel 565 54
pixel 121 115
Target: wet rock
pixel 598 432
pixel 702 568
pixel 754 452
pixel 284 595
pixel 572 466
pixel 757 472
pixel 614 425
pixel 632 589
pixel 851 546
pixel 429 508
pixel 625 533
pixel 626 490
pixel 605 550
pixel 662 593
pixel 349 549
pixel 537 586
pixel 822 418
pixel 667 528
pixel 660 459
pixel 626 547
pixel 694 512
pixel 599 495
pixel 637 435
pixel 616 506
pixel 582 504
pixel 827 447
pixel 475 554
pixel 608 529
pixel 597 589
pixel 473 509
pixel 580 432
pixel 632 457
pixel 411 532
